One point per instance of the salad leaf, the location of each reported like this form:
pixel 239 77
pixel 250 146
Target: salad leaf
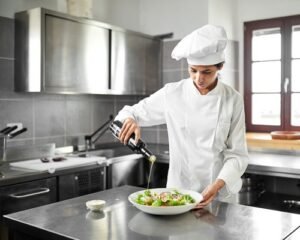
pixel 172 198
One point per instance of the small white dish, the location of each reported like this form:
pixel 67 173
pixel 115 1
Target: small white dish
pixel 95 205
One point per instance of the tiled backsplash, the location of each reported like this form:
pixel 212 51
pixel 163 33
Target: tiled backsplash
pixel 65 119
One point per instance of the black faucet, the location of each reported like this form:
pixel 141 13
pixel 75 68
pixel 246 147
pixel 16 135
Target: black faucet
pixel 91 139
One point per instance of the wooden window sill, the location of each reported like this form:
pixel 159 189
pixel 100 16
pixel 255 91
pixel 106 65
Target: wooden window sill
pixel 264 140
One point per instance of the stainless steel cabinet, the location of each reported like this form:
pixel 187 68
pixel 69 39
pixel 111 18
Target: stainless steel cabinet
pixel 127 170
pixel 76 56
pixel 135 63
pixel 81 183
pixel 59 53
pixel 27 195
pixel 22 196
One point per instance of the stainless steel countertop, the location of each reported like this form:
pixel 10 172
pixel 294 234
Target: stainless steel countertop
pixel 121 220
pixel 281 165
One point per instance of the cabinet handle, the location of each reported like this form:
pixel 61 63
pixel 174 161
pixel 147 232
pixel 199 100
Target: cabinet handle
pixel 41 191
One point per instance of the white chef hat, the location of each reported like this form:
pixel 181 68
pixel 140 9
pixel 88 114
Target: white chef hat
pixel 204 46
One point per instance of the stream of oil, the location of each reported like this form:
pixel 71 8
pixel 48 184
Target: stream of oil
pixel 150 173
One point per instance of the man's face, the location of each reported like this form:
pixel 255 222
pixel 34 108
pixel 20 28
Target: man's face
pixel 203 76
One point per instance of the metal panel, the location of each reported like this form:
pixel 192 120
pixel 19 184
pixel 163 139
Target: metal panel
pixel 27 195
pixel 81 183
pixel 127 170
pixel 28 42
pixel 76 56
pixel 59 53
pixel 135 63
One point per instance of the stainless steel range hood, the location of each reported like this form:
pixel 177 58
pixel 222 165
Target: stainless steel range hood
pixel 59 53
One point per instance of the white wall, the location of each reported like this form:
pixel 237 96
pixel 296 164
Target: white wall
pixel 224 13
pixel 263 9
pixel 123 13
pixel 9 7
pixel 177 16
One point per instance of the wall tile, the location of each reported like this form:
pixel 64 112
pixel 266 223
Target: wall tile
pixel 185 74
pixel 6 37
pixel 107 138
pixel 168 63
pixel 184 64
pixel 19 142
pixel 101 110
pixel 59 141
pixel 162 127
pixel 17 111
pixel 122 101
pixel 171 76
pixel 163 137
pixel 149 134
pixel 78 115
pixel 49 116
pixel 6 75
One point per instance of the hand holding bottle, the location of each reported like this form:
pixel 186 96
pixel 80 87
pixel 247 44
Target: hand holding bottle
pixel 129 126
pixel 129 133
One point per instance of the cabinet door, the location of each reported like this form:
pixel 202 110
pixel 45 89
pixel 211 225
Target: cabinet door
pixel 81 183
pixel 135 61
pixel 76 57
pixel 27 195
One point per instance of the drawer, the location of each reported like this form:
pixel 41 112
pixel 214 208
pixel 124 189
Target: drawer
pixel 27 195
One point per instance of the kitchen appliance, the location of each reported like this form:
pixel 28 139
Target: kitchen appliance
pixel 139 147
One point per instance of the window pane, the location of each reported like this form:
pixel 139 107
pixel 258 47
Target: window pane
pixel 295 121
pixel 266 76
pixel 296 75
pixel 266 109
pixel 266 44
pixel 295 42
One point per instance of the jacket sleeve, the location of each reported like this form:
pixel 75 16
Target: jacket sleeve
pixel 236 154
pixel 147 112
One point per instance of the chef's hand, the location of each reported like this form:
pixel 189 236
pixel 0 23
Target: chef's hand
pixel 129 126
pixel 210 192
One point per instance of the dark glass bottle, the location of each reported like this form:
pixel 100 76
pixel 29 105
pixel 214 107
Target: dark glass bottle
pixel 139 147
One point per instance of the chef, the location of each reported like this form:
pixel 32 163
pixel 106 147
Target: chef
pixel 204 117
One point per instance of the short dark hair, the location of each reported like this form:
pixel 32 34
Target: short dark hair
pixel 219 65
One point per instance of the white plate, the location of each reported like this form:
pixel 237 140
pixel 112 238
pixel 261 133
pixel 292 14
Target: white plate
pixel 166 210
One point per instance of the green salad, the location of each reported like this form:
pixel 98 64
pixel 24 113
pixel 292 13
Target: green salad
pixel 172 198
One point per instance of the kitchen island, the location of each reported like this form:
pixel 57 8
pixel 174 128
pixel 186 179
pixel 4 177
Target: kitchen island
pixel 119 219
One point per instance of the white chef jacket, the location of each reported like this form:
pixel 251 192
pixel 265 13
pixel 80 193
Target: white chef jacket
pixel 206 134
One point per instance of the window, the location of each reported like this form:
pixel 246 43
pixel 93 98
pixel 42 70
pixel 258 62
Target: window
pixel 272 74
